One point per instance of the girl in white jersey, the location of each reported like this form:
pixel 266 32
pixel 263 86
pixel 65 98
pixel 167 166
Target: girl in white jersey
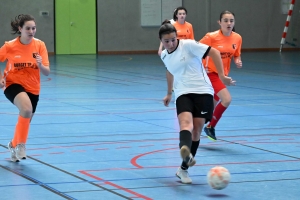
pixel 172 21
pixel 192 88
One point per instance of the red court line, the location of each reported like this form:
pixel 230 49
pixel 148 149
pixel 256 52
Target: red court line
pixel 100 149
pixel 139 141
pixel 57 153
pixel 48 79
pixel 137 195
pixel 79 151
pixel 123 147
pixel 261 140
pixel 134 159
pixel 286 139
pixel 150 145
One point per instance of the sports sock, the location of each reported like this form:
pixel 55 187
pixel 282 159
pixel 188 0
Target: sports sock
pixel 219 110
pixel 194 148
pixel 21 131
pixel 185 138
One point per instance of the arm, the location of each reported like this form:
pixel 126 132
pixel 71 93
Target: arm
pixel 237 55
pixel 2 81
pixel 192 33
pixel 44 69
pixel 216 57
pixel 42 60
pixel 170 80
pixel 160 48
pixel 2 59
pixel 238 62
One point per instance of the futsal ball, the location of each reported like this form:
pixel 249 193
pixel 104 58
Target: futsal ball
pixel 218 177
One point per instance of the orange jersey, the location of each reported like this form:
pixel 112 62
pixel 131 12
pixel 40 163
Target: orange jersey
pixel 21 66
pixel 184 31
pixel 228 46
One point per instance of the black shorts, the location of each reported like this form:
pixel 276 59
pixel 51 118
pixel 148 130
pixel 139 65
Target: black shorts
pixel 14 89
pixel 200 105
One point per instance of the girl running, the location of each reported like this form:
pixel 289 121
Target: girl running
pixel 229 44
pixel 25 58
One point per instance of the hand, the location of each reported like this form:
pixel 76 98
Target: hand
pixel 227 80
pixel 238 63
pixel 167 99
pixel 159 52
pixel 2 82
pixel 39 59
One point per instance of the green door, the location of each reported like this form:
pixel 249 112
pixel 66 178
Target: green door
pixel 75 27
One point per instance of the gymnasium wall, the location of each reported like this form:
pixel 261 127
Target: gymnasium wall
pixel 260 22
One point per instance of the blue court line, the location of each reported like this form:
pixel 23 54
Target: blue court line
pixel 200 175
pixel 39 183
pixel 150 178
pixel 269 90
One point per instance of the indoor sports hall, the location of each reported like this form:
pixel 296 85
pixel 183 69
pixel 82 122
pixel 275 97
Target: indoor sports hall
pixel 101 130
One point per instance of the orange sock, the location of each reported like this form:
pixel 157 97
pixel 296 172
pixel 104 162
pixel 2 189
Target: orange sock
pixel 21 132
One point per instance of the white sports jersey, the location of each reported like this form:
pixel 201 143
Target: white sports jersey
pixel 172 21
pixel 185 64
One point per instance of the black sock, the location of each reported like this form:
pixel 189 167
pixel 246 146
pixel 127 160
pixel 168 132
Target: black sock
pixel 185 138
pixel 194 148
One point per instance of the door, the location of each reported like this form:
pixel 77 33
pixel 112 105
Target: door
pixel 75 27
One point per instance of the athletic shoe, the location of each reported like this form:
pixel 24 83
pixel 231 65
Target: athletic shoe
pixel 13 155
pixel 210 132
pixel 184 176
pixel 186 156
pixel 21 151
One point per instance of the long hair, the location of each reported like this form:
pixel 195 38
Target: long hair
pixel 19 21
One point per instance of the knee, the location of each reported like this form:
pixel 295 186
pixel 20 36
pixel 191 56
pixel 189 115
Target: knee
pixel 196 135
pixel 226 100
pixel 186 125
pixel 26 111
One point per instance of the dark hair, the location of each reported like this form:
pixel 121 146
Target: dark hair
pixel 166 28
pixel 176 12
pixel 227 12
pixel 19 21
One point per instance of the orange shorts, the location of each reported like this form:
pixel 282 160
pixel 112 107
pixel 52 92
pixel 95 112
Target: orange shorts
pixel 217 84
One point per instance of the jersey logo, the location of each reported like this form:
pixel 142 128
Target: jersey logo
pixel 234 46
pixel 182 59
pixel 17 56
pixel 164 56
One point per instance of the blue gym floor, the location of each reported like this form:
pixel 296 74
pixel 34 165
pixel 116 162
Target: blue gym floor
pixel 101 131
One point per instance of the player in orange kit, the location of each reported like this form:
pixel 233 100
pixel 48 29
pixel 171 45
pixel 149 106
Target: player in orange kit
pixel 184 29
pixel 25 58
pixel 229 44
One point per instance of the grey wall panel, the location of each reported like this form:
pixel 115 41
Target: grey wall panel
pixel 45 25
pixel 260 22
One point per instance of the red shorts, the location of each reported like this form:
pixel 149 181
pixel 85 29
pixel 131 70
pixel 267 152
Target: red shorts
pixel 217 84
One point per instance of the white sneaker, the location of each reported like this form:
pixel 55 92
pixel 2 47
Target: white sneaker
pixel 13 156
pixel 184 176
pixel 21 151
pixel 186 156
